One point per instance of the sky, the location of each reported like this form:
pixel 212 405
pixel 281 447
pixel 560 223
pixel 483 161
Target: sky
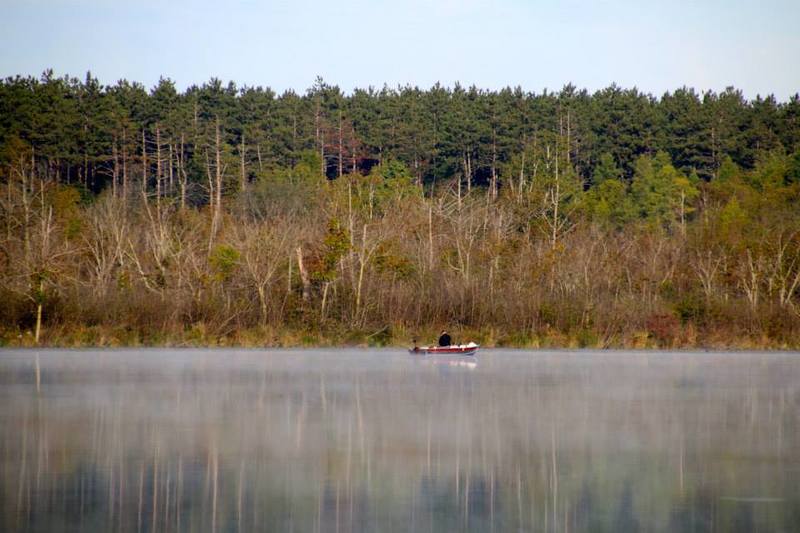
pixel 285 44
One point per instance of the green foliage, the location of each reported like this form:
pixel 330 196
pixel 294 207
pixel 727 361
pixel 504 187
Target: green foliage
pixel 770 172
pixel 691 308
pixel 610 203
pixel 15 154
pixel 728 171
pixel 587 338
pixel 662 195
pixel 380 338
pixel 684 194
pixel 720 174
pixel 73 227
pixel 65 200
pixel 733 220
pixel 652 187
pixel 38 281
pixel 286 191
pixel 605 170
pixel 78 125
pixel 307 170
pixel 224 259
pixel 793 172
pixel 556 191
pixel 390 261
pixel 391 181
pixel 334 247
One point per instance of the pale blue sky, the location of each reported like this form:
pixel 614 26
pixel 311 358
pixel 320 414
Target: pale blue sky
pixel 655 46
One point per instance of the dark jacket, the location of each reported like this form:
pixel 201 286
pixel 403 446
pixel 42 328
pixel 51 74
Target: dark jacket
pixel 444 340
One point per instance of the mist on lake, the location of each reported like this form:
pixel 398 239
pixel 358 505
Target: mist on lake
pixel 163 440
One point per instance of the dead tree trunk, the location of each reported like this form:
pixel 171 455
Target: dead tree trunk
pixel 242 175
pixel 124 163
pixel 182 174
pixel 494 164
pixel 115 170
pixel 170 169
pixel 158 167
pixel 218 180
pixel 304 278
pixel 341 147
pixel 144 165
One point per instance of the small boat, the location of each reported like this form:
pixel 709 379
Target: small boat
pixel 455 350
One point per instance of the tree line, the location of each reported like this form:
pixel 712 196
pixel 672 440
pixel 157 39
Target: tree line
pixel 225 214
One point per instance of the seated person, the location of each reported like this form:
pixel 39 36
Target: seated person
pixel 444 340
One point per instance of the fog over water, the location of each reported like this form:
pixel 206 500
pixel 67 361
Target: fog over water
pixel 162 440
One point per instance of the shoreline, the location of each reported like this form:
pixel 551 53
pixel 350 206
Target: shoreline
pixel 67 337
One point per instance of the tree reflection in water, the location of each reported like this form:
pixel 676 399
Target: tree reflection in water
pixel 356 440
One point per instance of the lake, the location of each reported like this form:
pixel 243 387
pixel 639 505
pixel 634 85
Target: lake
pixel 340 440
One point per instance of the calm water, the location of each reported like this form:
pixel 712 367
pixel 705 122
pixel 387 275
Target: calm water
pixel 375 440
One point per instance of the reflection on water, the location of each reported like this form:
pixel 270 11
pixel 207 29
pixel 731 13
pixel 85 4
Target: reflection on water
pixel 352 440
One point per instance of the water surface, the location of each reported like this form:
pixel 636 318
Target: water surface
pixel 377 440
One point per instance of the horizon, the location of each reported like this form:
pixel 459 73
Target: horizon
pixel 181 89
pixel 356 44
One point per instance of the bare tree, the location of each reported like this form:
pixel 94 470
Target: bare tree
pixel 263 248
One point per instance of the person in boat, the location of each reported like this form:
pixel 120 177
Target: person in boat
pixel 444 339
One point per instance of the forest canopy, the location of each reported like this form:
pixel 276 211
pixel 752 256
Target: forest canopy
pixel 552 218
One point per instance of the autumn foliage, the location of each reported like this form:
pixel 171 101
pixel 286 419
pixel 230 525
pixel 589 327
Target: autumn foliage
pixel 176 229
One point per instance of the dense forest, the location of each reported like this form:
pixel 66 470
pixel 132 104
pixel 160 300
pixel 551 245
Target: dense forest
pixel 227 215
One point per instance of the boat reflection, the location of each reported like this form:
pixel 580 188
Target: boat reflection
pixel 449 361
pixel 367 440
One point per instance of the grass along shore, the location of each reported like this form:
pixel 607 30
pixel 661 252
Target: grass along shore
pixel 200 335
